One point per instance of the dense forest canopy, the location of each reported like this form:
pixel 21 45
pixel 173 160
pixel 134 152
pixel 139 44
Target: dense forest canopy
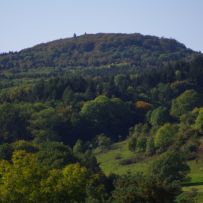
pixel 63 102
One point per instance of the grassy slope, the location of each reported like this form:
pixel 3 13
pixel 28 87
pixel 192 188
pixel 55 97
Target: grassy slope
pixel 110 163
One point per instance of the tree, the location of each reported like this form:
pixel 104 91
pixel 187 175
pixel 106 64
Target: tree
pixel 6 151
pixel 54 155
pixel 162 93
pixel 199 121
pixel 88 160
pixel 141 188
pixel 138 137
pixel 68 95
pixel 121 82
pixel 103 142
pixel 98 189
pixel 165 136
pixel 13 123
pixel 184 103
pixel 46 125
pixel 142 107
pixel 159 116
pixel 20 180
pixel 79 147
pixel 196 70
pixel 66 184
pixel 126 189
pixel 141 143
pixel 170 167
pixel 24 180
pixel 132 143
pixel 109 116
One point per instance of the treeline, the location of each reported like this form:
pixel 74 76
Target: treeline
pixel 82 106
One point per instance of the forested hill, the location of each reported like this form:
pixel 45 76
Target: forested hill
pixel 98 50
pixel 73 111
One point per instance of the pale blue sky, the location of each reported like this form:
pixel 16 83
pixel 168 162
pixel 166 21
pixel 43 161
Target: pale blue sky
pixel 25 23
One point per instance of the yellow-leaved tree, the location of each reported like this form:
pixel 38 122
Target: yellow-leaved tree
pixel 24 180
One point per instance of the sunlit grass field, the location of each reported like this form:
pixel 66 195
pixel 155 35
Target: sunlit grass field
pixel 111 162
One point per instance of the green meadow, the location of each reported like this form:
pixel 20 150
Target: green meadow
pixel 118 159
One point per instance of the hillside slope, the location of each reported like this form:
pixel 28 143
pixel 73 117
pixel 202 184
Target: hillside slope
pixel 83 100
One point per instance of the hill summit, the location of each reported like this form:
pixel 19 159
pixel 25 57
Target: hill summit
pixel 98 50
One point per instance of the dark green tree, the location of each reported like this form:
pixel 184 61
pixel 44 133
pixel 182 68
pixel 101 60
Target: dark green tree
pixel 170 167
pixel 159 116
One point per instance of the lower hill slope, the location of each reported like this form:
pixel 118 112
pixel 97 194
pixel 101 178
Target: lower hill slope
pixel 119 160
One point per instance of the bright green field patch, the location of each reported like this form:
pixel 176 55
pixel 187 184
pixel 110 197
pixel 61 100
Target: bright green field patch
pixel 196 173
pixel 110 163
pixel 199 189
pixel 110 160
